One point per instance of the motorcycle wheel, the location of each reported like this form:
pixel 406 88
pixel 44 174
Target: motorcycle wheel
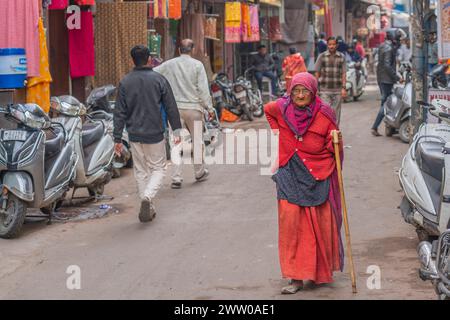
pixel 12 222
pixel 404 131
pixel 388 130
pixel 247 112
pixel 358 96
pixel 259 112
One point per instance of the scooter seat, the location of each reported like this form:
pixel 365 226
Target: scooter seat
pixel 54 142
pixel 399 92
pixel 91 133
pixel 431 158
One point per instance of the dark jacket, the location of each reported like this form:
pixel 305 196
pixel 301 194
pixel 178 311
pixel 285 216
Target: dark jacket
pixel 263 63
pixel 138 106
pixel 386 70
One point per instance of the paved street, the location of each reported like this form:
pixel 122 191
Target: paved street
pixel 218 239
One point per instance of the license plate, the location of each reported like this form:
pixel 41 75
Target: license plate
pixel 14 135
pixel 241 94
pixel 217 94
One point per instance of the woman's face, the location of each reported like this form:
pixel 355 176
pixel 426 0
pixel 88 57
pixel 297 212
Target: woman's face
pixel 301 96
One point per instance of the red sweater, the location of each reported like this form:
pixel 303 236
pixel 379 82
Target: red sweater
pixel 316 149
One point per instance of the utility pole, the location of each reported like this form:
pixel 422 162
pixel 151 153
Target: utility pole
pixel 418 64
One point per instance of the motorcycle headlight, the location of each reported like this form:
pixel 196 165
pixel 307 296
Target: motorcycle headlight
pixel 68 106
pixel 29 119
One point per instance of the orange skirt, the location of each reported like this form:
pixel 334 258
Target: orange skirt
pixel 308 242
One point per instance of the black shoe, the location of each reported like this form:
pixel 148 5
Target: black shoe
pixel 375 132
pixel 147 212
pixel 176 185
pixel 203 176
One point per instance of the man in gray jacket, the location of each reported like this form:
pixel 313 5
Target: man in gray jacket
pixel 188 79
pixel 138 108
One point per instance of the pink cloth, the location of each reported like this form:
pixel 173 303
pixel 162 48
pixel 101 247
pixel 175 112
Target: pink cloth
pixel 19 29
pixel 254 25
pixel 59 4
pixel 81 48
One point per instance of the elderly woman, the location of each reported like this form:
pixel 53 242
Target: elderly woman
pixel 309 209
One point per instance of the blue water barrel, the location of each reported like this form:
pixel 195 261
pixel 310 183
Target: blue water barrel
pixel 13 68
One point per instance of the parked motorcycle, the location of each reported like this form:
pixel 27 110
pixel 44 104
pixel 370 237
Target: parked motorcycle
pixel 37 166
pixel 397 110
pixel 222 93
pixel 101 107
pixel 248 97
pixel 91 141
pixel 356 81
pixel 435 264
pixel 425 175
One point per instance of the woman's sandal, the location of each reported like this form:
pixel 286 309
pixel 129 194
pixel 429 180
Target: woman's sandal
pixel 295 286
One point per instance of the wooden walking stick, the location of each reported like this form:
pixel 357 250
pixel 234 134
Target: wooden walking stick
pixel 335 135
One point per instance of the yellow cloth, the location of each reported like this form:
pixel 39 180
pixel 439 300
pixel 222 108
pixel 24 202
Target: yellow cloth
pixel 233 12
pixel 38 88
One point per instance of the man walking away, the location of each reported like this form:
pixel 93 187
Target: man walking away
pixel 189 82
pixel 331 72
pixel 386 72
pixel 139 98
pixel 264 65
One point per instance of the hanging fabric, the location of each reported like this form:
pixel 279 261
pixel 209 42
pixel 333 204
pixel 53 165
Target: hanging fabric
pixel 38 88
pixel 211 28
pixel 275 29
pixel 233 19
pixel 175 9
pixel 58 4
pixel 253 35
pixel 246 26
pixel 19 29
pixel 81 48
pixel 85 2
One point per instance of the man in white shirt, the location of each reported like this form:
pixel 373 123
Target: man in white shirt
pixel 189 82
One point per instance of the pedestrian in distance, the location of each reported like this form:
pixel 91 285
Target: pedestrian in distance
pixel 293 64
pixel 188 79
pixel 309 206
pixel 387 72
pixel 331 72
pixel 138 109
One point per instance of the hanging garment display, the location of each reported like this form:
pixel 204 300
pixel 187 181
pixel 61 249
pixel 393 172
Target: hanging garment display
pixel 18 25
pixel 246 25
pixel 81 48
pixel 233 19
pixel 175 9
pixel 85 2
pixel 250 33
pixel 154 43
pixel 275 29
pixel 58 4
pixel 118 27
pixel 160 9
pixel 211 28
pixel 38 88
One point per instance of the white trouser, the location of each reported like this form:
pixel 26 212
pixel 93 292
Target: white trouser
pixel 149 162
pixel 191 119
